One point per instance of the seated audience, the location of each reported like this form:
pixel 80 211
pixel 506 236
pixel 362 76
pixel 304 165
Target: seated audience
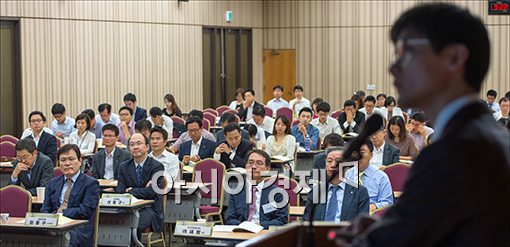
pixel 170 161
pixel 324 122
pixel 502 116
pixel 491 98
pixel 375 180
pixel 277 102
pixel 186 137
pixel 259 211
pixel 62 125
pixel 225 119
pixel 106 162
pixel 135 177
pixel 390 109
pixel 257 136
pixel 282 142
pixel 137 112
pixel 158 119
pixel 299 102
pixel 82 137
pixel 316 102
pixel 143 127
pixel 331 140
pixel 418 130
pixel 246 110
pixel 260 120
pixel 28 131
pixel 380 100
pixel 343 201
pixel 45 143
pixel 369 107
pixel 92 116
pixel 236 104
pixel 397 136
pixel 126 125
pixel 384 153
pixel 198 148
pixel 358 101
pixel 171 108
pixel 351 120
pixel 304 130
pixel 232 152
pixel 31 168
pixel 74 194
pixel 105 116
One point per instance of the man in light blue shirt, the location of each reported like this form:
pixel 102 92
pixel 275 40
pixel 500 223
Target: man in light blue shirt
pixel 278 102
pixel 62 125
pixel 305 130
pixel 375 180
pixel 104 117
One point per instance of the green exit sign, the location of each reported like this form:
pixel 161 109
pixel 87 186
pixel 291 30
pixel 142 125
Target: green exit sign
pixel 229 16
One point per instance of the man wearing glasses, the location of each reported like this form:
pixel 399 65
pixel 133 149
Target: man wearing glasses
pixel 45 143
pixel 31 168
pixel 135 177
pixel 457 189
pixel 197 148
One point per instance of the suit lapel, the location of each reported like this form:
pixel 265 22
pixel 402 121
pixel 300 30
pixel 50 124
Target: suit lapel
pixel 102 163
pixel 42 139
pixel 348 197
pixel 386 154
pixel 56 196
pixel 77 186
pixel 116 161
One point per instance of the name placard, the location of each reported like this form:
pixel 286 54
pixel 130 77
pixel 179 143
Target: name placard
pixel 192 228
pixel 41 219
pixel 116 199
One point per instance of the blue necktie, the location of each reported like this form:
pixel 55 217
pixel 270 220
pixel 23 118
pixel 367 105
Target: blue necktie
pixel 139 174
pixel 332 205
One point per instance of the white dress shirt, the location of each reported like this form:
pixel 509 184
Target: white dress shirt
pixel 256 217
pixel 267 124
pixel 377 156
pixel 296 107
pixel 330 126
pixel 171 163
pixel 108 165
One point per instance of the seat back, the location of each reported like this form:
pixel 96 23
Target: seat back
pixel 15 200
pixel 206 168
pixel 295 122
pixel 378 213
pixel 222 109
pixel 288 184
pixel 287 112
pixel 7 151
pixel 269 111
pixel 335 114
pixel 9 138
pixel 210 117
pixel 206 124
pixel 212 111
pixel 96 224
pixel 177 119
pixel 57 172
pixel 398 175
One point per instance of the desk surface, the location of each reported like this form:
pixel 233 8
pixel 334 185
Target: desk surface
pixel 310 152
pixel 296 210
pixel 107 183
pixel 141 203
pixel 233 236
pixel 6 164
pixel 13 222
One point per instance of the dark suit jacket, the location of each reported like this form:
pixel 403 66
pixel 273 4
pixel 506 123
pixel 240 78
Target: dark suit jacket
pixel 81 205
pixel 455 189
pixel 243 112
pixel 240 156
pixel 220 135
pixel 355 202
pixel 98 162
pixel 319 161
pixel 391 154
pixel 206 149
pixel 127 178
pixel 359 119
pixel 237 210
pixel 140 114
pixel 40 174
pixel 47 145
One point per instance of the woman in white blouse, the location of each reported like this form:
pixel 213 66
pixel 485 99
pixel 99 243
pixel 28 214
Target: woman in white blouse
pixel 82 137
pixel 390 109
pixel 282 142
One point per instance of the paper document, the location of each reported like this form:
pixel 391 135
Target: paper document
pixel 243 227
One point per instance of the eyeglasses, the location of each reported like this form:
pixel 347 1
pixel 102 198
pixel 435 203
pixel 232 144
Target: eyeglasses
pixel 402 54
pixel 193 130
pixel 23 157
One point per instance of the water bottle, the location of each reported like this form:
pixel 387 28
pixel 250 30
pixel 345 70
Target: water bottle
pixel 307 144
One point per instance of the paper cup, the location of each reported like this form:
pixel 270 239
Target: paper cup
pixel 40 193
pixel 4 217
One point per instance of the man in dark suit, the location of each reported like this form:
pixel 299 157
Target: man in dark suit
pixel 31 169
pixel 46 143
pixel 138 112
pixel 135 177
pixel 197 148
pixel 74 194
pixel 351 119
pixel 259 209
pixel 355 201
pixel 225 119
pixel 331 140
pixel 245 112
pixel 106 162
pixel 233 150
pixel 384 153
pixel 458 185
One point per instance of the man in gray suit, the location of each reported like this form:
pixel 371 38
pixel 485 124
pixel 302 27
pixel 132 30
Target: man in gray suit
pixel 105 163
pixel 384 153
pixel 32 169
pixel 344 202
